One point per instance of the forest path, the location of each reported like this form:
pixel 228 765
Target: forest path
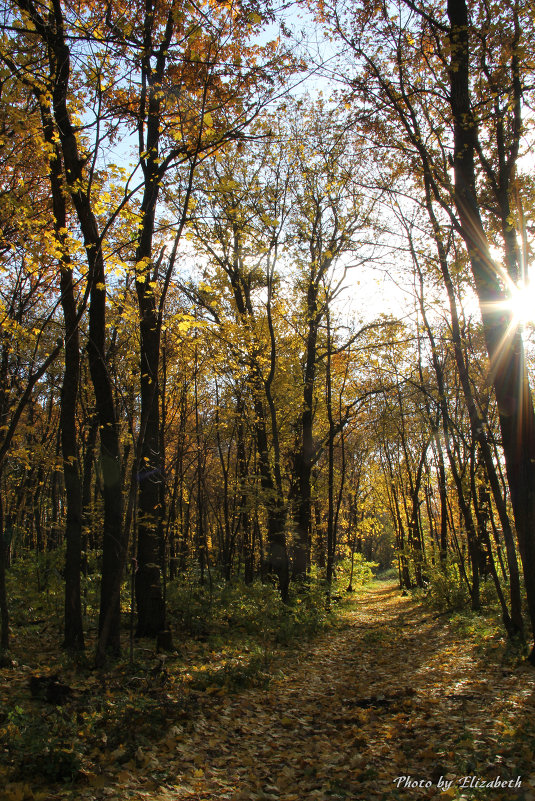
pixel 395 692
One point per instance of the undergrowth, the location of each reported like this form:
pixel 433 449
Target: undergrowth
pixel 227 636
pixel 256 610
pixel 447 594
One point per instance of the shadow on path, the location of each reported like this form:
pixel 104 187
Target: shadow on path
pixel 391 700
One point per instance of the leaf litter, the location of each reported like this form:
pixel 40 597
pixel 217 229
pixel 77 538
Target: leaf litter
pixel 393 704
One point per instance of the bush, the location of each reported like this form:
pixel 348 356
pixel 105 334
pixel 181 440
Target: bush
pixel 446 590
pixel 42 746
pixel 363 571
pixel 237 610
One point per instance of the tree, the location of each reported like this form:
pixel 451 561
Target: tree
pixel 240 228
pixel 330 216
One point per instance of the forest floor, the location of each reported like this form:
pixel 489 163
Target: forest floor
pixel 396 703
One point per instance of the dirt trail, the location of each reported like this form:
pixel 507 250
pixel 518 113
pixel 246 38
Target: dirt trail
pixel 394 693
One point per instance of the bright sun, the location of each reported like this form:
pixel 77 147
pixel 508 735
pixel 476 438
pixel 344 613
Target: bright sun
pixel 521 300
pixel 522 303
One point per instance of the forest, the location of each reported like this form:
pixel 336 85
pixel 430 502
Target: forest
pixel 266 364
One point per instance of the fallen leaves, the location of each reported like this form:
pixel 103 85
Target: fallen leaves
pixel 340 721
pixel 21 791
pixel 310 735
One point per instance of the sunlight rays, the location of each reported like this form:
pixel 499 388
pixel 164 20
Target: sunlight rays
pixel 518 300
pixel 522 303
pixel 516 311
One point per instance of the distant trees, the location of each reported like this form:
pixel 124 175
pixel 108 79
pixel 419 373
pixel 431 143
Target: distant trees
pixel 448 88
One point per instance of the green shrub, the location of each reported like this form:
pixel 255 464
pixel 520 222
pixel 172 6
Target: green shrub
pixel 363 572
pixel 43 746
pixel 223 610
pixel 446 590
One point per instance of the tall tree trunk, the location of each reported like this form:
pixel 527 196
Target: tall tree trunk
pixel 442 489
pixel 405 582
pixel 226 527
pixel 304 458
pixel 87 471
pixel 149 597
pixel 51 29
pixel 477 425
pixel 481 500
pixel 245 521
pixel 503 339
pixel 277 513
pixel 73 635
pixel 331 540
pixel 4 610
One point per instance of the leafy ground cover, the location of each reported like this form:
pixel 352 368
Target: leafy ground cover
pixel 379 704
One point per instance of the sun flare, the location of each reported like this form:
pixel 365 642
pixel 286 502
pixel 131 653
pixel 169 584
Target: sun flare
pixel 519 298
pixel 522 303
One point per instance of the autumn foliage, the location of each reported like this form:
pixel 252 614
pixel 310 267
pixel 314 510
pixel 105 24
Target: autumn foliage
pixel 205 401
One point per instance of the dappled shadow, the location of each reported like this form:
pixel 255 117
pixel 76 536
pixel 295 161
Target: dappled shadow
pixel 393 699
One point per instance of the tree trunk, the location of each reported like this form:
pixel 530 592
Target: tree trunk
pixel 149 597
pixel 304 458
pixel 245 522
pixel 331 532
pixel 52 31
pixel 503 339
pixel 4 610
pixel 87 470
pixel 478 428
pixel 73 635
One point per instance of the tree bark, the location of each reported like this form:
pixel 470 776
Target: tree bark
pixel 112 543
pixel 73 633
pixel 304 458
pixel 4 609
pixel 503 338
